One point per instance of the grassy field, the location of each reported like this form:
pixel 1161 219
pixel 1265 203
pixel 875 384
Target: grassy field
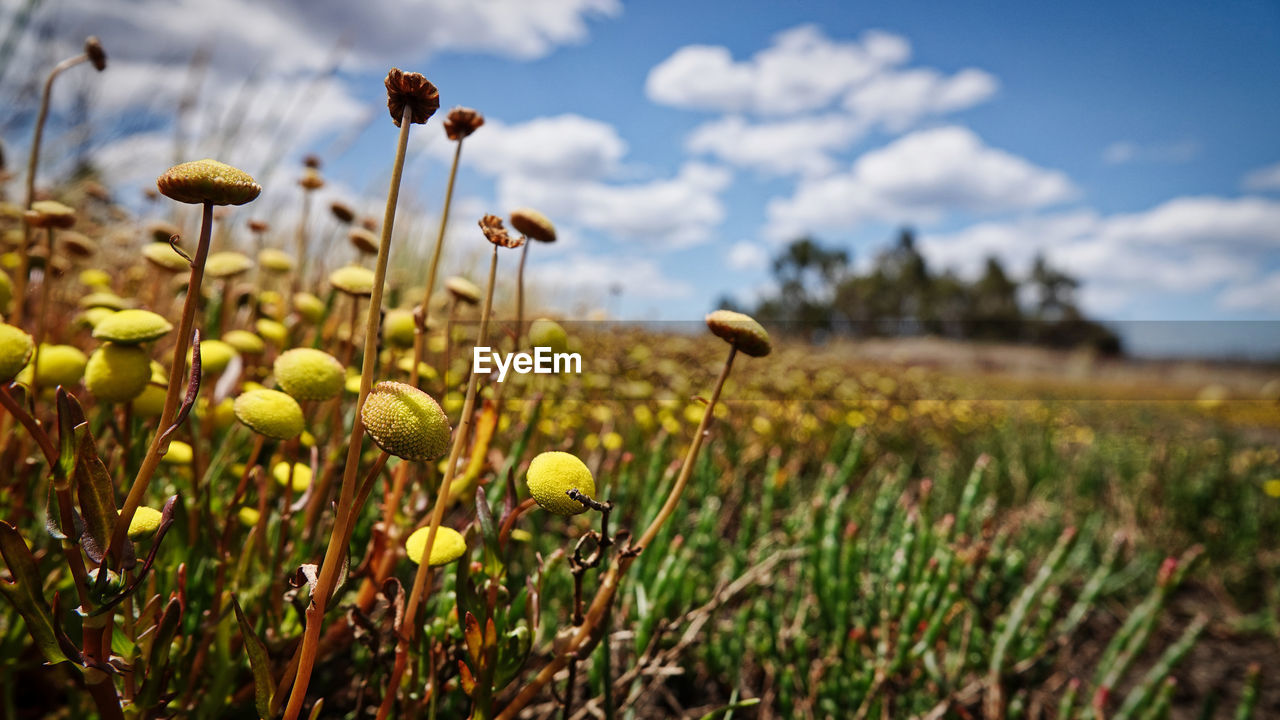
pixel 195 524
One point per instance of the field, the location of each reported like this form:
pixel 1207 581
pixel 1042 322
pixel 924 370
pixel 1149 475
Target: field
pixel 707 521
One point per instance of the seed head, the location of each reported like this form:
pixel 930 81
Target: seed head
pixel 533 225
pixel 15 351
pixel 353 280
pixel 364 241
pixel 414 91
pixel 342 212
pixel 117 373
pixel 97 56
pixel 552 475
pixel 309 374
pixel 405 422
pixel 208 181
pixel 130 327
pixel 461 122
pixel 145 521
pixel 449 545
pixel 270 413
pixel 740 331
pixel 491 226
pixel 463 290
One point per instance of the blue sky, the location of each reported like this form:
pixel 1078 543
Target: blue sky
pixel 678 145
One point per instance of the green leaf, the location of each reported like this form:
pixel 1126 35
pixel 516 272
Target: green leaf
pixel 259 663
pixel 750 702
pixel 24 593
pixel 95 494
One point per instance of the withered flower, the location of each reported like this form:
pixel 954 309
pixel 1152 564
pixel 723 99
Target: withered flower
pixel 414 91
pixel 461 122
pixel 93 50
pixel 491 226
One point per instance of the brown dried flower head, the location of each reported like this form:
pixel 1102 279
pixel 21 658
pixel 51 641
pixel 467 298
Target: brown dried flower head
pixel 311 179
pixel 364 241
pixel 50 214
pixel 412 91
pixel 312 161
pixel 740 331
pixel 461 122
pixel 369 223
pixel 491 226
pixel 533 225
pixel 208 181
pixel 342 212
pixel 97 56
pixel 77 244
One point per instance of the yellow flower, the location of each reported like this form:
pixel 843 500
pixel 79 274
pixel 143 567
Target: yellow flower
pixel 207 181
pixel 244 342
pixel 398 328
pixel 215 356
pixel 405 422
pixel 130 327
pixel 60 365
pixel 179 453
pixel 547 333
pixel 15 351
pixel 449 545
pixel 270 413
pixel 740 331
pixel 301 476
pixel 552 475
pixel 271 331
pixel 226 264
pixel 117 373
pixel 309 374
pixel 353 280
pixel 145 522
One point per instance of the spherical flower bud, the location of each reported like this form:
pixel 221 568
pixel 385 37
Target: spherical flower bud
pixel 309 374
pixel 398 328
pixel 275 261
pixel 208 181
pixel 353 280
pixel 364 241
pixel 405 422
pixel 117 373
pixel 226 264
pixel 740 331
pixel 15 351
pixel 533 225
pixel 95 278
pixel 215 356
pixel 150 403
pixel 130 327
pixel 270 413
pixel 272 331
pixel 463 290
pixel 248 516
pixel 552 475
pixel 548 333
pixel 245 342
pixel 449 545
pixel 301 475
pixel 179 453
pixel 60 365
pixel 103 299
pixel 163 256
pixel 310 307
pixel 461 122
pixel 144 523
pixel 411 90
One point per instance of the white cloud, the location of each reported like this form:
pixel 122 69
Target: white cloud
pixel 676 212
pixel 748 256
pixel 1123 152
pixel 897 100
pixel 1185 245
pixel 1264 294
pixel 595 276
pixel 1264 178
pixel 1120 152
pixel 802 70
pixel 918 178
pixel 784 147
pixel 560 147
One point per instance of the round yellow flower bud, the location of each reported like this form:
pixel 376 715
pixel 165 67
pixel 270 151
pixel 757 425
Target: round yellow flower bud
pixel 226 264
pixel 163 256
pixel 547 333
pixel 533 225
pixel 462 290
pixel 275 261
pixel 179 453
pixel 740 331
pixel 272 331
pixel 207 181
pixel 353 280
pixel 248 516
pixel 150 403
pixel 215 356
pixel 145 522
pixel 130 327
pixel 405 422
pixel 310 307
pixel 103 299
pixel 552 475
pixel 60 365
pixel 245 342
pixel 398 328
pixel 15 351
pixel 309 374
pixel 117 373
pixel 95 278
pixel 449 546
pixel 301 476
pixel 271 413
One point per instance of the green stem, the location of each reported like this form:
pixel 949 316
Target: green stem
pixel 420 332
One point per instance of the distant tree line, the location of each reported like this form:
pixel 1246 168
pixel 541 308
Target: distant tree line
pixel 820 295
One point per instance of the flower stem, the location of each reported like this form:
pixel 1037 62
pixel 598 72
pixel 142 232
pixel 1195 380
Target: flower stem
pixel 420 331
pixel 340 535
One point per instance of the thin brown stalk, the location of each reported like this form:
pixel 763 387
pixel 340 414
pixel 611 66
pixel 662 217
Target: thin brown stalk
pixel 420 332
